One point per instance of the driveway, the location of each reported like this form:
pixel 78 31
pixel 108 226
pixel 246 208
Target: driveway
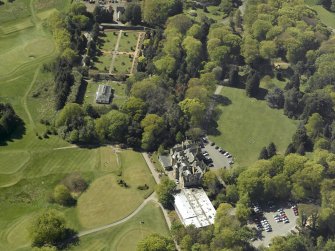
pixel 278 228
pixel 219 160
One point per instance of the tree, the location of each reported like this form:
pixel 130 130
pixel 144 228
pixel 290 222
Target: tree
pixel 252 84
pixel 133 13
pixel 314 126
pixel 275 98
pixel 194 53
pixel 153 127
pixel 155 242
pixel 155 12
pixel 250 49
pixel 268 49
pixel 272 151
pixel 112 126
pixel 9 121
pixel 165 190
pixel 194 109
pixel 263 154
pixel 49 229
pixel 211 182
pixel 102 14
pixel 233 76
pixel 134 108
pixel 63 196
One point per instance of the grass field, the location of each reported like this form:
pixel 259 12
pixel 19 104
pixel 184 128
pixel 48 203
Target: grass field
pixel 104 62
pixel 247 125
pixel 124 237
pixel 109 41
pixel 122 64
pixel 128 41
pixel 106 202
pixel 31 167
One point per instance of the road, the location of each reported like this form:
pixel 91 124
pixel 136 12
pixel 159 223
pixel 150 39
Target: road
pixel 115 52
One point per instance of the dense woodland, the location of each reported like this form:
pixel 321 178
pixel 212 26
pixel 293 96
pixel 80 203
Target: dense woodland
pixel 171 98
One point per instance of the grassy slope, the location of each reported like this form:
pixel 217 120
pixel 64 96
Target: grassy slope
pixel 327 17
pixel 247 125
pixel 106 202
pixel 124 237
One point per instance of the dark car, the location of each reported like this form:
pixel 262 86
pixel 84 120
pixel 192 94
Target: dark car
pixel 212 144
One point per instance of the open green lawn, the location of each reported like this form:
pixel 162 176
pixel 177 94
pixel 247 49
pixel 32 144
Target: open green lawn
pixel 122 64
pixel 214 13
pixel 119 92
pixel 109 41
pixel 15 10
pixel 327 17
pixel 104 62
pixel 128 41
pixel 268 83
pixel 247 125
pixel 106 202
pixel 125 237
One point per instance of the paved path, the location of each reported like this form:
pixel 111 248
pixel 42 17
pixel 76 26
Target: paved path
pixel 66 147
pixel 218 90
pixel 137 50
pixel 115 51
pixel 151 167
pixel 151 198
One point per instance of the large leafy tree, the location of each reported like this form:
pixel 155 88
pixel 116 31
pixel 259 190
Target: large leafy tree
pixel 112 126
pixel 155 12
pixel 155 242
pixel 49 228
pixel 153 127
pixel 165 190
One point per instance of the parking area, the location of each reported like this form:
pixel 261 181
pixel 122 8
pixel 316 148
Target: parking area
pixel 275 222
pixel 220 159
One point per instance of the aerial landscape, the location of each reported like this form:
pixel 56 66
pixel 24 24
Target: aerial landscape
pixel 167 125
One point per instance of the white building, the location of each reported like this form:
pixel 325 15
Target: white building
pixel 194 207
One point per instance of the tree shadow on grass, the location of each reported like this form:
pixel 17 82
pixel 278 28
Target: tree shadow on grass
pixel 16 135
pixel 261 94
pixel 212 128
pixel 222 100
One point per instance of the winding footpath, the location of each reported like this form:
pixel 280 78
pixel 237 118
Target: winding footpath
pixel 151 198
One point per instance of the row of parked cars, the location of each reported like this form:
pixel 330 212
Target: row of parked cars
pixel 281 216
pixel 263 224
pixel 225 153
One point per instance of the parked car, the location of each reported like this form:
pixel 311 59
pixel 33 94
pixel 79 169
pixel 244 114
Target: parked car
pixel 212 144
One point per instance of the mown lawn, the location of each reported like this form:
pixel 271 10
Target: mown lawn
pixel 247 125
pixel 122 64
pixel 327 17
pixel 109 41
pixel 128 41
pixel 106 201
pixel 125 237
